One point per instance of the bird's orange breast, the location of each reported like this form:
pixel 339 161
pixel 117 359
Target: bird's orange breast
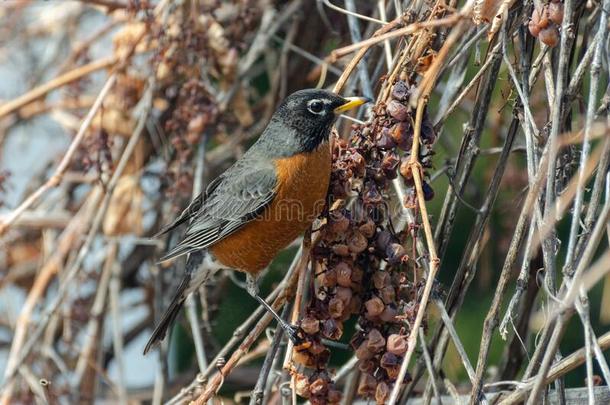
pixel 302 184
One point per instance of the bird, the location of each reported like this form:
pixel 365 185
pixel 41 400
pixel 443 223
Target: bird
pixel 262 203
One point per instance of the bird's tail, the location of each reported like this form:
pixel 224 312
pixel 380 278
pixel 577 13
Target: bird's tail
pixel 186 286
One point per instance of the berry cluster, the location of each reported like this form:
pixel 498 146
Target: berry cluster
pixel 545 23
pixel 361 264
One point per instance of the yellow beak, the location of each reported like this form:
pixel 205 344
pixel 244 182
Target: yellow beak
pixel 352 102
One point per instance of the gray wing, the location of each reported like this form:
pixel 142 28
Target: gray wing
pixel 193 208
pixel 240 197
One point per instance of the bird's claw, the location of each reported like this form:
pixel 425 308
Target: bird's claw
pixel 292 331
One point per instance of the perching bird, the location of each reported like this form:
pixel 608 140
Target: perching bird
pixel 261 203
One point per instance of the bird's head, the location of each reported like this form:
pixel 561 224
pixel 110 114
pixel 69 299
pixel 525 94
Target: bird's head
pixel 308 115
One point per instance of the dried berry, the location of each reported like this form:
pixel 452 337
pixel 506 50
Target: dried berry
pixel 402 135
pixel 384 140
pixel 310 325
pixel 336 307
pixel 555 10
pixel 396 254
pixel 549 36
pixel 367 385
pixel 358 163
pixel 304 358
pixel 382 393
pixel 533 28
pixel 400 91
pixel 368 229
pixel 387 294
pixel 383 240
pixel 344 274
pixel 357 275
pixel 301 385
pixel 397 110
pixel 427 133
pixel 334 396
pixel 391 364
pixel 367 366
pixel 405 170
pixel 354 305
pixel 363 352
pixel 341 250
pixel 389 314
pixel 332 329
pixel 317 348
pixel 328 278
pixel 397 344
pixel 357 242
pixel 344 294
pixel 318 387
pixel 375 341
pixel 337 222
pixel 381 279
pixel 428 191
pixel 389 164
pixel 374 307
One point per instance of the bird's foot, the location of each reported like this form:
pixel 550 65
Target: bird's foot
pixel 292 332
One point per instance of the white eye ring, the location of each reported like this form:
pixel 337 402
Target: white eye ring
pixel 315 106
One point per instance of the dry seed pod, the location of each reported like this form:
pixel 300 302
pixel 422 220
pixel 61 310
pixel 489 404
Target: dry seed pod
pixel 549 36
pixel 382 393
pixel 310 325
pixel 374 306
pixel 397 110
pixel 367 385
pixel 375 341
pixel 397 344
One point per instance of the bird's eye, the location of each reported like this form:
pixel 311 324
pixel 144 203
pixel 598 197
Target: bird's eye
pixel 315 106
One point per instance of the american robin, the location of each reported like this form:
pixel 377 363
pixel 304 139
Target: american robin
pixel 261 203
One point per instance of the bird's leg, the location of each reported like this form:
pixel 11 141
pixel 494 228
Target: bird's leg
pixel 290 330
